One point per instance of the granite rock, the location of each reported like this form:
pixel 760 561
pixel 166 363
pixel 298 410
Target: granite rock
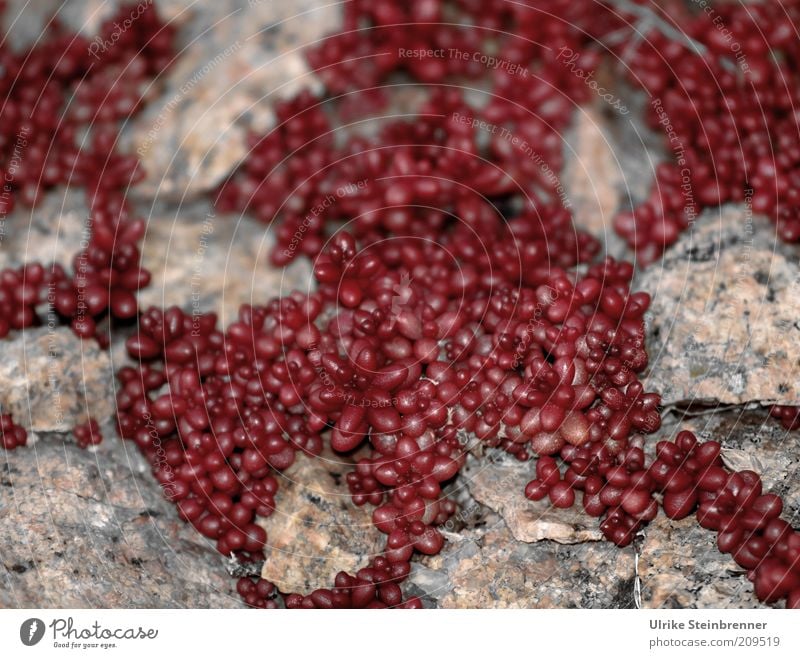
pixel 499 482
pixel 591 173
pixel 85 530
pixel 723 325
pixel 51 381
pixel 680 567
pixel 316 530
pixel 54 230
pixel 485 567
pixel 609 162
pixel 205 262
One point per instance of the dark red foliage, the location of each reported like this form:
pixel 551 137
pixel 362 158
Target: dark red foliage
pixel 88 434
pixel 257 593
pixel 729 116
pixel 456 318
pixel 788 415
pixel 11 435
pixel 454 301
pixel 688 477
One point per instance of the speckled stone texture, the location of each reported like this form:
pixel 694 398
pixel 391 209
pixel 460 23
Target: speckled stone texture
pixel 609 162
pixel 208 262
pixel 51 381
pixel 722 331
pixel 592 175
pixel 498 481
pixel 723 325
pixel 80 529
pixel 485 567
pixel 316 530
pixel 52 230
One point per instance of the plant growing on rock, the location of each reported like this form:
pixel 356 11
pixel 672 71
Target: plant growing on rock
pixel 454 302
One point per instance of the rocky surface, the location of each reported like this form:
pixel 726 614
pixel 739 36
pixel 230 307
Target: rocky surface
pixel 592 174
pixel 609 162
pixel 498 483
pixel 206 262
pixel 723 325
pixel 722 331
pixel 85 530
pixel 496 560
pixel 315 530
pixel 680 567
pixel 679 564
pixel 52 381
pixel 487 568
pixel 54 230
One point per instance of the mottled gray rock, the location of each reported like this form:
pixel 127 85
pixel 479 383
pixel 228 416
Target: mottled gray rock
pixel 499 484
pixel 52 231
pixel 680 567
pixel 85 530
pixel 50 380
pixel 637 148
pixel 591 174
pixel 316 530
pixel 205 262
pixel 723 325
pixel 486 567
